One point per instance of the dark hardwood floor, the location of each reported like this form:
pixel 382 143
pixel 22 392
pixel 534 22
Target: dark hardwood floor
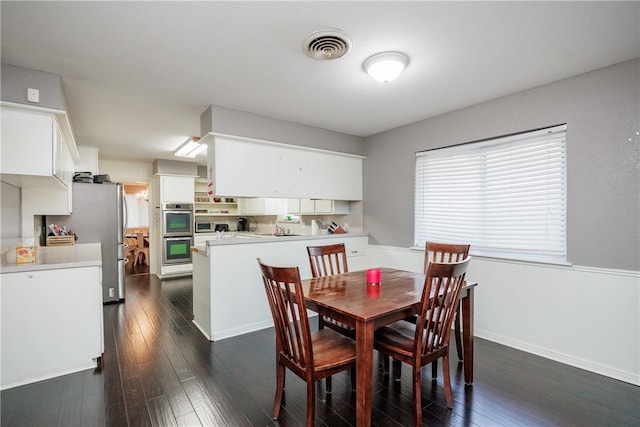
pixel 158 370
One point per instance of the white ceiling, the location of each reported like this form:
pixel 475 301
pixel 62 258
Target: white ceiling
pixel 137 75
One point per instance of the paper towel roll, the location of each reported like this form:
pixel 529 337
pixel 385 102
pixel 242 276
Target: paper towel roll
pixel 315 228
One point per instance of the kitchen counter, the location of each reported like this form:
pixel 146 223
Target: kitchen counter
pixel 228 294
pixel 55 257
pixel 250 238
pixel 51 313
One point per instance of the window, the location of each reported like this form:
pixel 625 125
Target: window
pixel 505 196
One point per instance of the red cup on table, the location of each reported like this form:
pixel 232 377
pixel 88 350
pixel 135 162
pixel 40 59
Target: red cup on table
pixel 373 276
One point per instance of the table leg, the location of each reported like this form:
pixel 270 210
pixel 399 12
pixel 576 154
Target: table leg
pixel 364 372
pixel 467 334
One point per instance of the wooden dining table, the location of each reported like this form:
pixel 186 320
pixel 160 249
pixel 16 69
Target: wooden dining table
pixel 349 299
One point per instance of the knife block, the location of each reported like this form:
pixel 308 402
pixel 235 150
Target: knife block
pixel 339 230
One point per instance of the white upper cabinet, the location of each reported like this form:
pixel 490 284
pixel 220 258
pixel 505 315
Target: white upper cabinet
pixel 176 189
pixel 262 206
pixel 250 168
pixel 35 150
pixel 322 206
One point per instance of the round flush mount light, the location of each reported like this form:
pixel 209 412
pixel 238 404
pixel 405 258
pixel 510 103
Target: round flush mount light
pixel 386 66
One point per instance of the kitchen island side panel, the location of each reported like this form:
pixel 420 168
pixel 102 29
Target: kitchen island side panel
pixel 237 300
pixel 201 293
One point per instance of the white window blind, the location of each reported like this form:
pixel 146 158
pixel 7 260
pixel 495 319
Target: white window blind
pixel 506 196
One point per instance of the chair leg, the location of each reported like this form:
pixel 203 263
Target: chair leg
pixel 397 369
pixel 417 397
pixel 279 390
pixel 385 363
pixel 328 384
pixel 447 381
pixel 457 333
pixel 311 403
pixel 434 369
pixel 353 379
pixel 320 322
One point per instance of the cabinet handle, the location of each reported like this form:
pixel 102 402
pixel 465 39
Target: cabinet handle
pixel 30 276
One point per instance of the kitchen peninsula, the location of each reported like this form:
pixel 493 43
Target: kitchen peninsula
pixel 228 294
pixel 51 313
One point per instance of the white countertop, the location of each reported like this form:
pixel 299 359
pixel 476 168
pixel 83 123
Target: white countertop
pixel 242 238
pixel 245 238
pixel 55 257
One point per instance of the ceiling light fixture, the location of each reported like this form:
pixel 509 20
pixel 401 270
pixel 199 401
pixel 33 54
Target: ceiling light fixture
pixel 191 148
pixel 386 66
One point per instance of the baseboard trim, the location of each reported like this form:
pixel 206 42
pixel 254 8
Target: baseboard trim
pixel 245 329
pixel 628 377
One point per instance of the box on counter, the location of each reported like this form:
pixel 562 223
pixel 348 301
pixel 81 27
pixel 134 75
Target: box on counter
pixel 60 240
pixel 25 254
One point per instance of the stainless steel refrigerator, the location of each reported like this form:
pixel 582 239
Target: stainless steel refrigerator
pixel 99 216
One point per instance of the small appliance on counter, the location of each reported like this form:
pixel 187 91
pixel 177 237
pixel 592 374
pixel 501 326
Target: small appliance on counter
pixel 242 224
pixel 222 227
pixel 204 227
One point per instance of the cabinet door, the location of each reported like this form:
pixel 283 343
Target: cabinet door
pixel 293 206
pixel 247 206
pixel 324 206
pixel 307 206
pixel 51 323
pixel 27 143
pixel 177 189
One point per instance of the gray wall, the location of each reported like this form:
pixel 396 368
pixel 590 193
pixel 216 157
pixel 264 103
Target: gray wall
pixel 10 211
pixel 602 112
pixel 16 81
pixel 238 123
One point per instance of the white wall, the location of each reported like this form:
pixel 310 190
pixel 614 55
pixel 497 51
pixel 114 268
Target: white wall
pixel 137 212
pixel 10 211
pixel 126 171
pixel 584 317
pixel 601 110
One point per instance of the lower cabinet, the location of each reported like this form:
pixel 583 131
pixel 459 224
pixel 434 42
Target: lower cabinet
pixel 51 323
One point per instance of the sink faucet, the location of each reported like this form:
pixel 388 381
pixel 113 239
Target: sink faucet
pixel 279 230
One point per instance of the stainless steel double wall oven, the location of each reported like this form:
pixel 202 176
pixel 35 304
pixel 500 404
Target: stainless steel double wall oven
pixel 177 233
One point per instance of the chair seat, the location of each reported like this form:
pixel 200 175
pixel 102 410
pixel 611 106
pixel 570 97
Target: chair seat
pixel 400 336
pixel 331 349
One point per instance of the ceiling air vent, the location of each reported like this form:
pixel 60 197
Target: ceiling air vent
pixel 326 44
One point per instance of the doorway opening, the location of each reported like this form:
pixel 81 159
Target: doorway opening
pixel 136 237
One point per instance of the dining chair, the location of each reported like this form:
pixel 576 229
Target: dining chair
pixel 310 355
pixel 440 252
pixel 428 339
pixel 327 260
pixel 447 252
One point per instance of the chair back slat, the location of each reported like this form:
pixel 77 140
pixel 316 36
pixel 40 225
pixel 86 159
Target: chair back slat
pixel 327 260
pixel 433 325
pixel 293 335
pixel 444 252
